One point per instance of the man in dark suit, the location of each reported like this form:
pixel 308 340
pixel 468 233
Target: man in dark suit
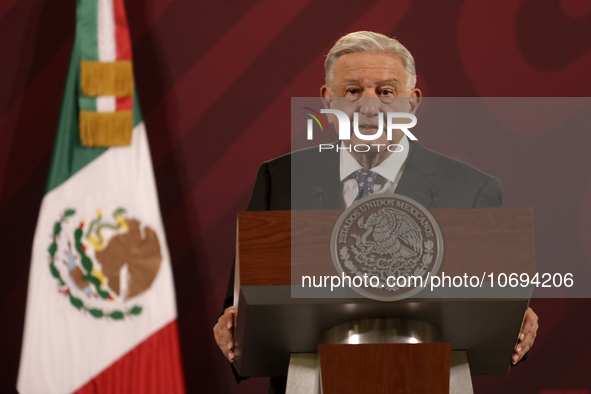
pixel 369 74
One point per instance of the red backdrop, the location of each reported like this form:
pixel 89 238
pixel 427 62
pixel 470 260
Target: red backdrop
pixel 194 59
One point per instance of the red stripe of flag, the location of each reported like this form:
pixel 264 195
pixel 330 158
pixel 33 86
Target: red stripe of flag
pixel 122 40
pixel 123 47
pixel 124 103
pixel 153 367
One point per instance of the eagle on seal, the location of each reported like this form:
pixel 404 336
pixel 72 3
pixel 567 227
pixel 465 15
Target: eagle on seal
pixel 388 227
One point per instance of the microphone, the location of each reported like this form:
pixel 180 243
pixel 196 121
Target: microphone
pixel 319 196
pixel 433 192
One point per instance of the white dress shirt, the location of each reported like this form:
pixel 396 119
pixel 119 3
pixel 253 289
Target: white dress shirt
pixel 389 172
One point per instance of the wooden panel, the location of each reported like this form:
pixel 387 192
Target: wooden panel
pixel 475 241
pixel 385 368
pixel 264 248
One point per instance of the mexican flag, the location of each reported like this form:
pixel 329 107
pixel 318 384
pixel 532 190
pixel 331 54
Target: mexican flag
pixel 101 312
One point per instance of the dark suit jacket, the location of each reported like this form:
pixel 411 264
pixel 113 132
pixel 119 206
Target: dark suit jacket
pixel 308 179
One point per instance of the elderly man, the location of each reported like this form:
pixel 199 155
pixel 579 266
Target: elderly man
pixel 369 73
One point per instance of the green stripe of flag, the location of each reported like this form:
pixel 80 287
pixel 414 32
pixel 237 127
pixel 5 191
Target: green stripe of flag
pixel 86 103
pixel 69 156
pixel 137 111
pixel 87 29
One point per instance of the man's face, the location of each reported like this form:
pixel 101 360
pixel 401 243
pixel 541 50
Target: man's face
pixel 369 83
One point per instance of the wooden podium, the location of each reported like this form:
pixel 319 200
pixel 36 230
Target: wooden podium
pixel 271 324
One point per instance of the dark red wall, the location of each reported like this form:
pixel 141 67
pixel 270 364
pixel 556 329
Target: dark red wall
pixel 196 59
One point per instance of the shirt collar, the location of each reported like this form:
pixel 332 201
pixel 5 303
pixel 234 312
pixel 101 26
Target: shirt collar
pixel 389 168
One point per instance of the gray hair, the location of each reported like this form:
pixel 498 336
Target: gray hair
pixel 367 41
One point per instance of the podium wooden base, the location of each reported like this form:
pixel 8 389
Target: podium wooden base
pixel 383 369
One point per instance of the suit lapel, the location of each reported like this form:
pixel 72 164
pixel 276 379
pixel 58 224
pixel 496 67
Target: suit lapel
pixel 329 180
pixel 414 182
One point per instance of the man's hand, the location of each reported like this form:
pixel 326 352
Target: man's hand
pixel 223 332
pixel 527 335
